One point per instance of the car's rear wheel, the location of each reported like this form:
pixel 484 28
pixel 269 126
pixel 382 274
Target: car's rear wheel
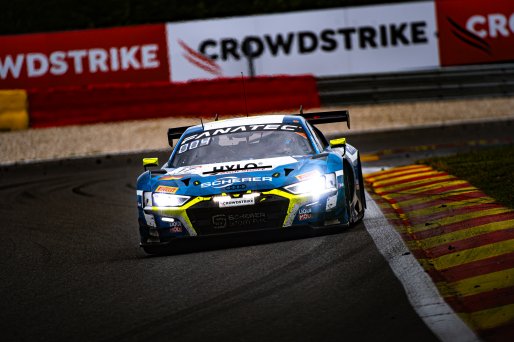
pixel 150 250
pixel 349 189
pixel 156 250
pixel 361 206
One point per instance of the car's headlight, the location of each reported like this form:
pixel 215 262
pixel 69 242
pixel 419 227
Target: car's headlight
pixel 315 186
pixel 167 200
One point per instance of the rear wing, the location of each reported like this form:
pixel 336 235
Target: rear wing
pixel 327 117
pixel 175 133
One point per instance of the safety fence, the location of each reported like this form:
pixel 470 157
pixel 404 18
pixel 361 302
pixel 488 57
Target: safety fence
pixel 447 83
pixel 104 103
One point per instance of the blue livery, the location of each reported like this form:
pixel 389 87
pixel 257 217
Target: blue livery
pixel 248 174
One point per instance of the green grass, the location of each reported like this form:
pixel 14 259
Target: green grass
pixel 489 169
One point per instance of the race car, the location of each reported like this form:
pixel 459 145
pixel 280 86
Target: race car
pixel 259 173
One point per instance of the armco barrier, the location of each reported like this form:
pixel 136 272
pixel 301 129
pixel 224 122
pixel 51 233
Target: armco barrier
pixel 86 105
pixel 13 110
pixel 472 81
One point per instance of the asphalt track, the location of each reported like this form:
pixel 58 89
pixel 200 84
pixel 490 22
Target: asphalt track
pixel 71 268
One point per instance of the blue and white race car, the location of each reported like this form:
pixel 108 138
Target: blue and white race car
pixel 272 172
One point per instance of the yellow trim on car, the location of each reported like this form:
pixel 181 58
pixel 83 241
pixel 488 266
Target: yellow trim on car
pixel 180 213
pixel 295 202
pixel 338 142
pixel 150 161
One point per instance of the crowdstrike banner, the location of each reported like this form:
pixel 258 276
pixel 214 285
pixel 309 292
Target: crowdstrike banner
pixel 118 55
pixel 349 41
pixel 335 42
pixel 475 31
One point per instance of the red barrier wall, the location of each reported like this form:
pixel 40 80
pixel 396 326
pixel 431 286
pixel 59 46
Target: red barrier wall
pixel 86 105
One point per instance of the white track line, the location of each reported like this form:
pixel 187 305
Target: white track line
pixel 421 291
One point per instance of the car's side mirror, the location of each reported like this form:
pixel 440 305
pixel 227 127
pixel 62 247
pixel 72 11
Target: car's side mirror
pixel 341 142
pixel 148 162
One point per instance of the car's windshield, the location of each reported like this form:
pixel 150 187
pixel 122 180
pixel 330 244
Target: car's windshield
pixel 242 143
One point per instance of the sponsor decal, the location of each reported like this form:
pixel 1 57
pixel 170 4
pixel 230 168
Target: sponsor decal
pixel 235 129
pixel 230 180
pixel 308 175
pixel 237 170
pixel 194 144
pixel 219 221
pixel 186 170
pixel 231 168
pixel 236 187
pixel 304 214
pixel 170 177
pixel 331 202
pixel 350 149
pixel 246 219
pixel 176 229
pixel 303 217
pixel 236 202
pixel 222 221
pixel 166 189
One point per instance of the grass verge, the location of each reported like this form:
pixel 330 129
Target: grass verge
pixel 489 169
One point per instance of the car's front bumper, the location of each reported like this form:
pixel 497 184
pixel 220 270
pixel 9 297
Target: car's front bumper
pixel 274 209
pixel 255 236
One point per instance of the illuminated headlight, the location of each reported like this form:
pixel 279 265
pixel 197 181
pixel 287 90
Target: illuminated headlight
pixel 167 200
pixel 315 186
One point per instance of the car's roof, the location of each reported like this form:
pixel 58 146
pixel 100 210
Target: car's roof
pixel 251 120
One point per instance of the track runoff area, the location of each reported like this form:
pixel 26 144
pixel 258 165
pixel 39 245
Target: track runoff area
pixel 461 239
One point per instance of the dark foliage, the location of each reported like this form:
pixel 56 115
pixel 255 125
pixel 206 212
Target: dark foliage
pixel 26 16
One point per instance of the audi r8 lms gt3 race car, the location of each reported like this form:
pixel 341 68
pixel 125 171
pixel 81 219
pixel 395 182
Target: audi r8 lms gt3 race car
pixel 256 173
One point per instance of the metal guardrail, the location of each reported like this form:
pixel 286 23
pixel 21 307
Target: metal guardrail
pixel 446 83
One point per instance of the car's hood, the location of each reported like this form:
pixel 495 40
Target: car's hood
pixel 238 176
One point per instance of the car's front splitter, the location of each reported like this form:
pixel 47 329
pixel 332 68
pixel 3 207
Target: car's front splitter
pixel 241 237
pixel 200 216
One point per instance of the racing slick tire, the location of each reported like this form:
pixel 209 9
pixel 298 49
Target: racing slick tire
pixel 349 190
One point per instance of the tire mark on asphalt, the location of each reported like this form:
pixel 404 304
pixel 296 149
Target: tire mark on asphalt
pixel 174 323
pixel 79 189
pixel 16 185
pixel 289 267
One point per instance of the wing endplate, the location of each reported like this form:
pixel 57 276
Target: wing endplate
pixel 327 117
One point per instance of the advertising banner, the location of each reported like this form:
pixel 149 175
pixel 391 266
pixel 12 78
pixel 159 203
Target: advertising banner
pixel 370 39
pixel 118 55
pixel 475 31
